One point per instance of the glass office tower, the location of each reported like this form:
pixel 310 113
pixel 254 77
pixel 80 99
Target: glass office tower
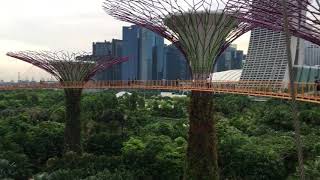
pixel 145 50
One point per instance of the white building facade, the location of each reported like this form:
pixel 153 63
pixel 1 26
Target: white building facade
pixel 266 60
pixel 312 54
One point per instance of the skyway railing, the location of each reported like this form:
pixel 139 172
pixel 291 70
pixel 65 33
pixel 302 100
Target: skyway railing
pixel 304 91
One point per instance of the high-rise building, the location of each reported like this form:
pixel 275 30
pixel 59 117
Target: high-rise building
pixel 146 54
pixel 101 48
pixel 116 48
pixel 131 36
pixel 106 48
pixel 240 57
pixel 115 70
pixel 267 57
pixel 145 50
pixel 312 54
pixel 230 59
pixel 151 55
pixel 176 64
pixel 158 68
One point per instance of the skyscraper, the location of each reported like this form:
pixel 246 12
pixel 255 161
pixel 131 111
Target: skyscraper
pixel 147 54
pixel 115 71
pixel 101 48
pixel 176 64
pixel 107 48
pixel 230 59
pixel 239 59
pixel 267 58
pixel 145 50
pixel 131 36
pixel 158 58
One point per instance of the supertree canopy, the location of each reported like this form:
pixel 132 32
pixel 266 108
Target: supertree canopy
pixel 201 29
pixel 69 67
pixel 303 15
pixel 65 66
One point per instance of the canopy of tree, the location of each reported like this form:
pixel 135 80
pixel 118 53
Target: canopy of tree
pixel 143 136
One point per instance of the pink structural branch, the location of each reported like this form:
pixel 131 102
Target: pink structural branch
pixel 201 30
pixel 66 66
pixel 303 16
pixel 69 67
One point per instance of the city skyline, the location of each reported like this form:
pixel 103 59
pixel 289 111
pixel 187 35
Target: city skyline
pixel 56 25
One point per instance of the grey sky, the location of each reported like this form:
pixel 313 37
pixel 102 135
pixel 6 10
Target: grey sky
pixel 54 25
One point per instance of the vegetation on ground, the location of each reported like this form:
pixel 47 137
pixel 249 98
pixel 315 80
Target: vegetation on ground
pixel 144 136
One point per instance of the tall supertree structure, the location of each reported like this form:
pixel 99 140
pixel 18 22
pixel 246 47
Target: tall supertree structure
pixel 293 17
pixel 202 30
pixel 67 68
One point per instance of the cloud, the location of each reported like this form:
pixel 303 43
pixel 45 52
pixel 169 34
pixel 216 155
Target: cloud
pixel 10 67
pixel 243 42
pixel 52 25
pixel 70 32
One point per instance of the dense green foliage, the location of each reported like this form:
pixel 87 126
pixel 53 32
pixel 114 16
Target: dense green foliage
pixel 143 136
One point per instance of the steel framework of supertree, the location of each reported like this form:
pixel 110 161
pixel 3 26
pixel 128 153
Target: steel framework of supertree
pixel 69 67
pixel 303 16
pixel 201 30
pixel 300 18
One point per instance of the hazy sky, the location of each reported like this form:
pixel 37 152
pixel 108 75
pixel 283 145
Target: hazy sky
pixel 55 25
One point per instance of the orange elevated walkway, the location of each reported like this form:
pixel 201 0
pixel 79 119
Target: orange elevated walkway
pixel 304 91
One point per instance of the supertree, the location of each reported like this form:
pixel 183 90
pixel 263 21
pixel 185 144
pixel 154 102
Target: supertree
pixel 298 18
pixel 69 68
pixel 201 30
